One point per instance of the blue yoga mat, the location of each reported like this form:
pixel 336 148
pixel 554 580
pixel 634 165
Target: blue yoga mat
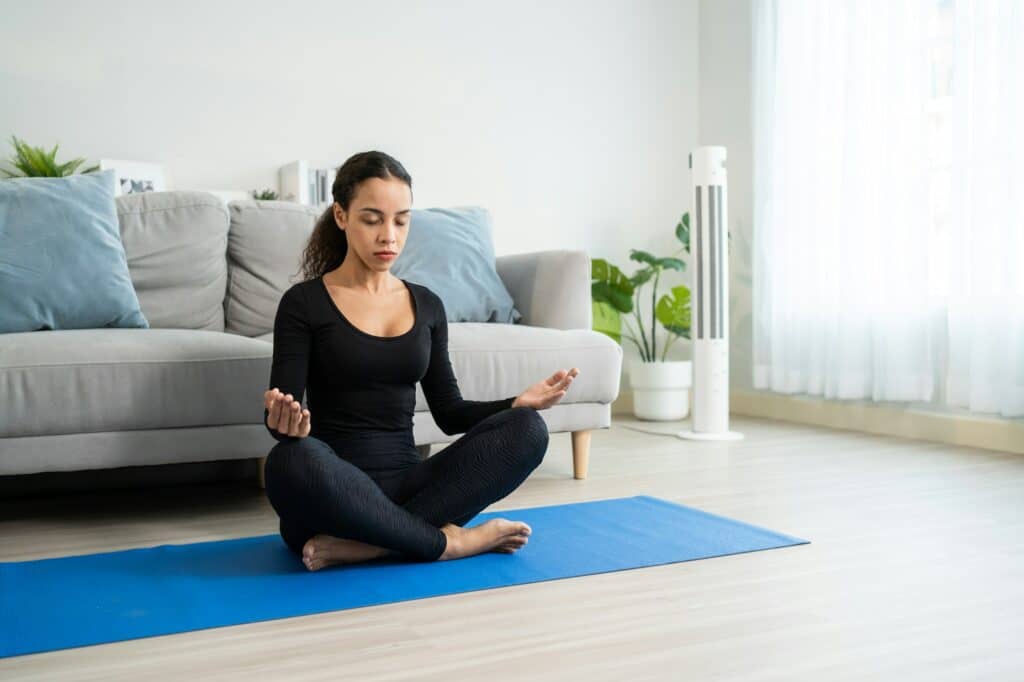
pixel 74 601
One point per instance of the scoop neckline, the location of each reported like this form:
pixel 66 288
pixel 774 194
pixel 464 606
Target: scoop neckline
pixel 341 315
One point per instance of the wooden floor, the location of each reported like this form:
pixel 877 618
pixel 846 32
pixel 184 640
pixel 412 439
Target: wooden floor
pixel 915 571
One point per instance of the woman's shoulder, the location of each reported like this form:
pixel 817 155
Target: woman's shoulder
pixel 300 293
pixel 426 295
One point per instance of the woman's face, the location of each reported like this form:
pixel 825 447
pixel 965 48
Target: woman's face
pixel 377 221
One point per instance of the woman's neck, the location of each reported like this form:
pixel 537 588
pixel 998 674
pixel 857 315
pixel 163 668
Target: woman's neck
pixel 354 275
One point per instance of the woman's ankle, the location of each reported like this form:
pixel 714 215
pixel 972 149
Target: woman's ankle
pixel 453 549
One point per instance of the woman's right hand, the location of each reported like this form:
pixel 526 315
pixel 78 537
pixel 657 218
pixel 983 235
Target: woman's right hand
pixel 286 415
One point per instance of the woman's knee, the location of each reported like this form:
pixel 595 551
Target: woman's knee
pixel 531 429
pixel 292 452
pixel 291 445
pixel 287 464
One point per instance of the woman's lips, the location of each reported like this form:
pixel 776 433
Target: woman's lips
pixel 385 255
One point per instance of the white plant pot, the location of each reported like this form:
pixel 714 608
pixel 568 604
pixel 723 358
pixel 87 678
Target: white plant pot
pixel 661 390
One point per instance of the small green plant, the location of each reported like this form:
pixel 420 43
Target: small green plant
pixel 36 162
pixel 264 195
pixel 613 295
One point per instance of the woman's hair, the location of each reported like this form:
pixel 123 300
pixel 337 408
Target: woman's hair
pixel 327 245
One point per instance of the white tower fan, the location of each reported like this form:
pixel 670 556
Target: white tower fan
pixel 709 325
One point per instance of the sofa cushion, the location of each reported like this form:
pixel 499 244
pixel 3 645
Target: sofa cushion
pixel 176 244
pixel 494 361
pixel 62 264
pixel 264 250
pixel 91 380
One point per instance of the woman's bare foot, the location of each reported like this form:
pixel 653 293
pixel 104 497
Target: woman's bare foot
pixel 321 551
pixel 496 535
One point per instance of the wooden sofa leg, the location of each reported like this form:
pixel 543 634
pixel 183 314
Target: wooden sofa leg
pixel 580 453
pixel 260 462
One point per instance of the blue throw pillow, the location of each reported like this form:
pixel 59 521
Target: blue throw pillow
pixel 62 263
pixel 450 251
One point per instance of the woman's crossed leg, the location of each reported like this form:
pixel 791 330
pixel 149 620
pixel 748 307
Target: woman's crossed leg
pixel 333 512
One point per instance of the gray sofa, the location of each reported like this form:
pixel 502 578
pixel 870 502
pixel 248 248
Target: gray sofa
pixel 209 276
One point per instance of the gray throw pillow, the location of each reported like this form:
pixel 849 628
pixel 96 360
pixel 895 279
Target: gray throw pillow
pixel 451 252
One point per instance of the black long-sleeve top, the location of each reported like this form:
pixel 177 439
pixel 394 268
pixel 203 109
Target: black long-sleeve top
pixel 356 381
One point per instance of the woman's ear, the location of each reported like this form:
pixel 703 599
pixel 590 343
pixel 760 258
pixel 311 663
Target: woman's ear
pixel 339 215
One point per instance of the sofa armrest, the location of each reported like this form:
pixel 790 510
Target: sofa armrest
pixel 550 288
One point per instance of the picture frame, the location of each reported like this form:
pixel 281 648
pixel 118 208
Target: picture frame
pixel 133 177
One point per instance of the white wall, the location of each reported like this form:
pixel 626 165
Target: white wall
pixel 570 121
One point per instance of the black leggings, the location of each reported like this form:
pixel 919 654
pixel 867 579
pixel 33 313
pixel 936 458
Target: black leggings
pixel 376 489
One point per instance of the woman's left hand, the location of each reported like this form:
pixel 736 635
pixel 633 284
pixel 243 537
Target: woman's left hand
pixel 546 392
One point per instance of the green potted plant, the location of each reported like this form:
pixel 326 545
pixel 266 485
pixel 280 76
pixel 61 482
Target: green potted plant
pixel 660 387
pixel 36 162
pixel 264 195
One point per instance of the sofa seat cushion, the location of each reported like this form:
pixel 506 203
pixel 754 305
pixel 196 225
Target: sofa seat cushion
pixel 494 361
pixel 94 380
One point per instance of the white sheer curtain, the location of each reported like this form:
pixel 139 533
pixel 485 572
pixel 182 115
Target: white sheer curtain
pixel 986 309
pixel 841 300
pixel 863 286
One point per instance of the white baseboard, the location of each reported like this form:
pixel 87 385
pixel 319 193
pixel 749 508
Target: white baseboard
pixel 990 433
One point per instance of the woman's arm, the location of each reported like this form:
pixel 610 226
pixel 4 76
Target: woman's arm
pixel 292 341
pixel 450 410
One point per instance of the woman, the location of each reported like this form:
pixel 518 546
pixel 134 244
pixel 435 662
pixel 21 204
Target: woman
pixel 349 485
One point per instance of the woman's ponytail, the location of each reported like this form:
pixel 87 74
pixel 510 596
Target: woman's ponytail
pixel 326 247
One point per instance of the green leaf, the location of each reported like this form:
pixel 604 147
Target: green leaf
pixel 603 271
pixel 641 277
pixel 610 285
pixel 603 292
pixel 642 257
pixel 607 320
pixel 672 264
pixel 673 311
pixel 37 162
pixel 69 167
pixel 683 231
pixel 654 264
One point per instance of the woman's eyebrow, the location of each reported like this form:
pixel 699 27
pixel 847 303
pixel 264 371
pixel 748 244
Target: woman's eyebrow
pixel 379 212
